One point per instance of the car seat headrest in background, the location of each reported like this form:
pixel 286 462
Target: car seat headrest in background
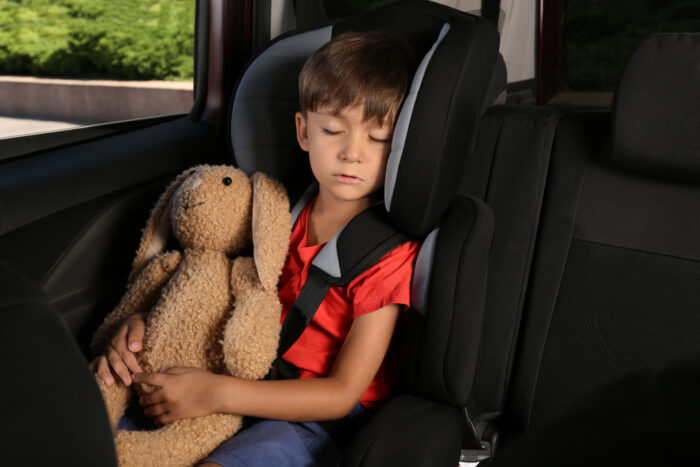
pixel 435 130
pixel 656 116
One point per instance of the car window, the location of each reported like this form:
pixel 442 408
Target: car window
pixel 599 36
pixel 66 63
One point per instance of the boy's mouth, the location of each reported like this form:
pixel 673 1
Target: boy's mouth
pixel 350 179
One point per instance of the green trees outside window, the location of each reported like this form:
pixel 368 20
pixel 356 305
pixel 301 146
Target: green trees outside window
pixel 107 39
pixel 599 35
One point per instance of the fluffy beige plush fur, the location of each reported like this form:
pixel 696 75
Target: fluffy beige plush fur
pixel 204 309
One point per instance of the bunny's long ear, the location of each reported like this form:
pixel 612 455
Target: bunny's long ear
pixel 158 227
pixel 271 228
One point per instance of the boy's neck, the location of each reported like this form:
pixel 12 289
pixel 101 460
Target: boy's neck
pixel 328 215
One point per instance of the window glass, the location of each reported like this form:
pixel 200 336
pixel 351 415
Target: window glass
pixel 89 61
pixel 600 35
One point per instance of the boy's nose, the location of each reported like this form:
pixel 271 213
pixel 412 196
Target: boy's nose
pixel 350 156
pixel 352 151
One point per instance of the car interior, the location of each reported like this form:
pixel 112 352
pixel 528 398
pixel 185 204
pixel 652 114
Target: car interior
pixel 560 251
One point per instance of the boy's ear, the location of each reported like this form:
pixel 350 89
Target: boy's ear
pixel 302 131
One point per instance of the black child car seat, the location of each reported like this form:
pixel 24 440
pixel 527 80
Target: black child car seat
pixel 430 422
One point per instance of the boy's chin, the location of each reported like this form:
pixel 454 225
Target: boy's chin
pixel 349 195
pixel 369 198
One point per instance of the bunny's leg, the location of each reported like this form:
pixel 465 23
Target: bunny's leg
pixel 181 443
pixel 252 332
pixel 117 398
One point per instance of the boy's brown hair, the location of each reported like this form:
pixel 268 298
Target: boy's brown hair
pixel 372 68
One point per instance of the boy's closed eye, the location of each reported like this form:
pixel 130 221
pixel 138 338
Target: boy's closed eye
pixel 379 139
pixel 376 139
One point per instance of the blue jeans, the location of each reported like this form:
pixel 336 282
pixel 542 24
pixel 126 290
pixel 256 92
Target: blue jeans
pixel 275 442
pixel 292 444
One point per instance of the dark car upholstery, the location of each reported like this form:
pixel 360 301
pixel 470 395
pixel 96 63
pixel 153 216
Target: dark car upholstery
pixel 52 410
pixel 611 298
pixel 615 281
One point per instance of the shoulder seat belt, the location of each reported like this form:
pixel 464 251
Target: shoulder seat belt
pixel 358 246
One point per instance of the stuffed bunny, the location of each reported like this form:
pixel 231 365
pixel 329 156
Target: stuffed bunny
pixel 204 309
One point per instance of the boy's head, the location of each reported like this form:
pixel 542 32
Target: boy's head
pixel 351 90
pixel 370 68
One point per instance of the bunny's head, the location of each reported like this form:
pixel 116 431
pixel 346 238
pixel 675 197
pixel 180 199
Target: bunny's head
pixel 219 208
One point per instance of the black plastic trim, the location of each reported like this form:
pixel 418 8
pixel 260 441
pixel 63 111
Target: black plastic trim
pixel 18 147
pixel 201 58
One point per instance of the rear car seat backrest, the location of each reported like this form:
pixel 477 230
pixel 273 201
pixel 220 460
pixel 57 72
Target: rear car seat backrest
pixel 614 288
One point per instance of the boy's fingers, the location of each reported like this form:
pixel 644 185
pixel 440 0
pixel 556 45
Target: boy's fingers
pixel 118 366
pixel 162 420
pixel 131 363
pixel 154 410
pixel 154 379
pixel 135 332
pixel 103 372
pixel 156 397
pixel 119 337
pixel 177 370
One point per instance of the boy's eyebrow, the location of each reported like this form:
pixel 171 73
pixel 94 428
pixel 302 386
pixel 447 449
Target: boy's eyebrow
pixel 387 123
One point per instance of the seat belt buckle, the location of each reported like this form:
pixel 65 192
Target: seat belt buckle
pixel 469 457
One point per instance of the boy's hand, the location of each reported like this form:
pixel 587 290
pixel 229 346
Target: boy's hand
pixel 118 358
pixel 181 392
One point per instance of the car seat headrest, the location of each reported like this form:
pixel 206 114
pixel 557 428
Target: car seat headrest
pixel 436 127
pixel 656 116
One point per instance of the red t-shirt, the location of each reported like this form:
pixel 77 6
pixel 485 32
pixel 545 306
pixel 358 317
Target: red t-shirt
pixel 387 282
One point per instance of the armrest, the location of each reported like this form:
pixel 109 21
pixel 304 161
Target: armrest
pixel 408 431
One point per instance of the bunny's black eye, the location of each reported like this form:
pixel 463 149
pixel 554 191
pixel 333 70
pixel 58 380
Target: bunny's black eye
pixel 191 173
pixel 227 181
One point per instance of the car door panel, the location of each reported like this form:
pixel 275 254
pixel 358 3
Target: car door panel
pixel 37 186
pixel 70 218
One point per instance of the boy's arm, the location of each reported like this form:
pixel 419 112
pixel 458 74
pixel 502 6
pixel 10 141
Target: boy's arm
pixel 185 393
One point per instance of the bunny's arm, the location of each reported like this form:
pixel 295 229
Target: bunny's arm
pixel 141 294
pixel 252 333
